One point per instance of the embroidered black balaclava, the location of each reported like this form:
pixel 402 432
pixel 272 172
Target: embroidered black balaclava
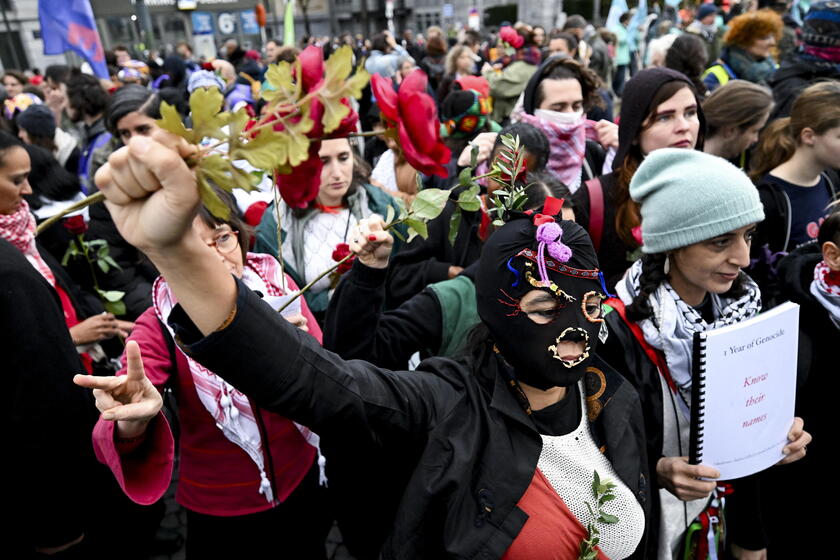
pixel 555 346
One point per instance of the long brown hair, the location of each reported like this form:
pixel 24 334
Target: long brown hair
pixel 738 103
pixel 627 214
pixel 817 108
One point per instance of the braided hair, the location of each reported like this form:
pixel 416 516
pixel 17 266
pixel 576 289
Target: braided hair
pixel 653 275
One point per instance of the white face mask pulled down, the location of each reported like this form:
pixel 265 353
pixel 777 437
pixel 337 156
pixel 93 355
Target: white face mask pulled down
pixel 558 118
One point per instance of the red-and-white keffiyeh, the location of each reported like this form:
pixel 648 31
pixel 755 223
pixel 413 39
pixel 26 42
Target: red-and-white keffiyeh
pixel 826 288
pixel 567 146
pixel 230 408
pixel 19 230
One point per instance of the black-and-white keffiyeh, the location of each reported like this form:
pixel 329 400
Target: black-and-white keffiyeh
pixel 826 289
pixel 674 322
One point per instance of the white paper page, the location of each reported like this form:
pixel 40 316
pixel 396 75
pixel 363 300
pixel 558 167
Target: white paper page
pixel 750 392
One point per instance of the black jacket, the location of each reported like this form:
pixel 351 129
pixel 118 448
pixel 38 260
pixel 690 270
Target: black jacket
pixel 47 419
pixel 797 72
pixel 426 261
pixel 614 255
pixel 817 382
pixel 772 236
pixel 623 352
pixel 819 339
pixel 466 449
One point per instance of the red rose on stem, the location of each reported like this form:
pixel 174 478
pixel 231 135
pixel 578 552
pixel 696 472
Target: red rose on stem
pixel 340 252
pixel 301 186
pixel 75 224
pixel 510 36
pixel 413 113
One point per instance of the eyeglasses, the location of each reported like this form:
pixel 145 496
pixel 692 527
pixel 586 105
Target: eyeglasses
pixel 225 242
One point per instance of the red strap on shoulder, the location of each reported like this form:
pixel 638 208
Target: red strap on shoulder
pixel 596 211
pixel 655 355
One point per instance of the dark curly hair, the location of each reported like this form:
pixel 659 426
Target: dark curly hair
pixel 569 69
pixel 86 95
pixel 653 275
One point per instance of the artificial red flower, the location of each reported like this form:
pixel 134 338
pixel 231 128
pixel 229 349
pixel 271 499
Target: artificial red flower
pixel 413 113
pixel 75 224
pixel 301 186
pixel 340 252
pixel 510 36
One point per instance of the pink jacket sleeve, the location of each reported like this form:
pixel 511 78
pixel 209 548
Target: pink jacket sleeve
pixel 311 323
pixel 143 474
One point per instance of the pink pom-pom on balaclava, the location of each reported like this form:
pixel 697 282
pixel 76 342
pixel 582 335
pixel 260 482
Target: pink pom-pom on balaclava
pixel 548 236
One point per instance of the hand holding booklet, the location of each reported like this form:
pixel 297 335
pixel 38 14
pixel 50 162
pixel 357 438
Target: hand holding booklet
pixel 744 391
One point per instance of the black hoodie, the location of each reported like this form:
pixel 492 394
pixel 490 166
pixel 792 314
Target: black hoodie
pixel 595 154
pixel 614 255
pixel 795 74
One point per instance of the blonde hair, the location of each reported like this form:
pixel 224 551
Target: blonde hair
pixel 452 58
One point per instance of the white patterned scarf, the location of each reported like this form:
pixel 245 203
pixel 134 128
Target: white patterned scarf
pixel 827 291
pixel 674 322
pixel 231 409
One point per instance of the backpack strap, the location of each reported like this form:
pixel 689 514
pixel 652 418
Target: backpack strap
pixel 652 353
pixel 596 211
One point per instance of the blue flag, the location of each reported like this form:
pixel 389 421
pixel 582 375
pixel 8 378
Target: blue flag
pixel 635 23
pixel 68 25
pixel 617 7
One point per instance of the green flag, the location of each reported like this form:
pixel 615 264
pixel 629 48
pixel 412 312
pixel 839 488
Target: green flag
pixel 289 24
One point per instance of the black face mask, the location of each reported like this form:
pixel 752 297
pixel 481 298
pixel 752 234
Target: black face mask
pixel 549 336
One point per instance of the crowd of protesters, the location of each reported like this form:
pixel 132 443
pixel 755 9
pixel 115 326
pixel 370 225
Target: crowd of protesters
pixel 685 160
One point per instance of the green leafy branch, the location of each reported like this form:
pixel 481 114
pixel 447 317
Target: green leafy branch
pixel 604 492
pixel 428 205
pixel 509 196
pixel 263 147
pixel 96 252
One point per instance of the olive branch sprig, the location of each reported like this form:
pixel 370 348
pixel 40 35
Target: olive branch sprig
pixel 604 492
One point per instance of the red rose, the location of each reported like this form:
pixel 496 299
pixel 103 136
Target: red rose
pixel 301 186
pixel 414 114
pixel 75 224
pixel 510 36
pixel 340 252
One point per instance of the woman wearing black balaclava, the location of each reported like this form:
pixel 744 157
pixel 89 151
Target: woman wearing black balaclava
pixel 492 454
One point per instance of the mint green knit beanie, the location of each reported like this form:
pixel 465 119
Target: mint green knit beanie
pixel 688 196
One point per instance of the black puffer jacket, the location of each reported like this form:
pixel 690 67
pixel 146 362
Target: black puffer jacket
pixel 465 448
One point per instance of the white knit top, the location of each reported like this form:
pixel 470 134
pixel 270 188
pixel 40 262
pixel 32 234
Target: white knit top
pixel 568 462
pixel 321 235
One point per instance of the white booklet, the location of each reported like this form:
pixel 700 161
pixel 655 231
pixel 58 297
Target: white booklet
pixel 744 391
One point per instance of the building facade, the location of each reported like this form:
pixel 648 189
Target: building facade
pixel 206 24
